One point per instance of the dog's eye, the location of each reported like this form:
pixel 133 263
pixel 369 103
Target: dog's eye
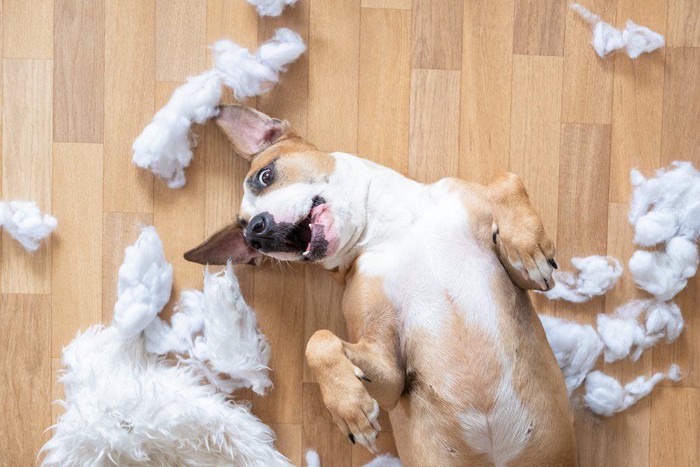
pixel 265 176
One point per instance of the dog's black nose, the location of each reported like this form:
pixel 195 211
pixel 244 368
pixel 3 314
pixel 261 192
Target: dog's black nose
pixel 259 230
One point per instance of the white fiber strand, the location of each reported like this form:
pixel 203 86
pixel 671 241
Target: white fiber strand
pixel 165 145
pixel 144 286
pixel 220 333
pixel 576 348
pixel 624 334
pixel 606 396
pixel 665 214
pixel 634 39
pixel 271 7
pixel 594 277
pixel 23 221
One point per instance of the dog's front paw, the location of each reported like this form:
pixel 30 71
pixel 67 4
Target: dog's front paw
pixel 522 242
pixel 353 409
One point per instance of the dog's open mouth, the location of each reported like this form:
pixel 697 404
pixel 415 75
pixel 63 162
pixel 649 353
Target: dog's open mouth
pixel 308 235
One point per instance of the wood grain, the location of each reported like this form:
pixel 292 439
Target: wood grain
pixel 78 73
pixel 232 19
pixel 25 368
pixel 683 23
pixel 437 34
pixel 334 48
pixel 674 427
pixel 129 101
pixel 681 114
pixel 637 102
pixel 535 132
pixel 487 67
pixel 385 61
pixel 28 29
pixel 539 27
pixel 26 165
pixel 433 149
pixel 390 4
pixel 289 441
pixel 588 81
pixel 181 35
pixel 77 246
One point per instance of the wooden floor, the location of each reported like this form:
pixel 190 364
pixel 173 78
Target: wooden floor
pixel 431 88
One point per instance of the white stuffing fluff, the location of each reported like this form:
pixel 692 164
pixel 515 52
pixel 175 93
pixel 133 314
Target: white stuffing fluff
pixel 230 351
pixel 271 7
pixel 606 396
pixel 385 460
pixel 23 221
pixel 596 275
pixel 576 348
pixel 165 145
pixel 145 283
pixel 624 335
pixel 607 39
pixel 665 213
pixel 127 406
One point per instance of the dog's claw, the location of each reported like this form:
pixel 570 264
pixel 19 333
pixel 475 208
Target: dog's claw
pixel 352 438
pixel 495 235
pixel 546 284
pixel 553 263
pixel 365 378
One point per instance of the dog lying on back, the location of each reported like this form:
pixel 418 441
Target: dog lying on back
pixel 443 334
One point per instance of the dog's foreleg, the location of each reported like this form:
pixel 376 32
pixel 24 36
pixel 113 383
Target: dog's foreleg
pixel 522 244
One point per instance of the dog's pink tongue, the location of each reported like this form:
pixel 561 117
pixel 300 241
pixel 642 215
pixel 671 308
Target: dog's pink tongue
pixel 321 223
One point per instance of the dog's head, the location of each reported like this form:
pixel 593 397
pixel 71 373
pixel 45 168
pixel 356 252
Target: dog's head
pixel 292 207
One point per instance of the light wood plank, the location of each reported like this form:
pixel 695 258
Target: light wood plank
pixel 535 132
pixel 437 34
pixel 434 131
pixel 129 98
pixel 674 427
pixel 681 114
pixel 391 4
pixel 26 165
pixel 333 85
pixel 78 80
pixel 487 67
pixel 57 391
pixel 28 29
pixel 588 81
pixel 385 61
pixel 289 441
pixel 232 19
pixel 25 369
pixel 181 34
pixel 683 23
pixel 637 102
pixel 539 27
pixel 178 233
pixel 77 246
pixel 321 434
pixel 119 230
pixel 280 309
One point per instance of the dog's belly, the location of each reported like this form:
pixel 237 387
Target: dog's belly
pixel 457 311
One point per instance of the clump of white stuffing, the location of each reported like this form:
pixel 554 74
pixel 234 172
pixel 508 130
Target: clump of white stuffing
pixel 220 333
pixel 624 335
pixel 165 145
pixel 575 346
pixel 144 286
pixel 634 39
pixel 271 7
pixel 23 221
pixel 596 275
pixel 665 214
pixel 384 460
pixel 606 396
pixel 127 406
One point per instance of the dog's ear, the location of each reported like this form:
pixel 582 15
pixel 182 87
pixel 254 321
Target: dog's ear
pixel 248 130
pixel 226 244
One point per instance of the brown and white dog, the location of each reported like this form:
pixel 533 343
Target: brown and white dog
pixel 443 333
